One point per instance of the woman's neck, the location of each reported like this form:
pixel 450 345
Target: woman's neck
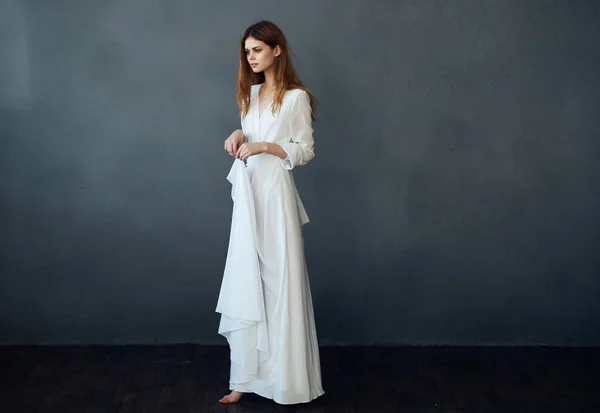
pixel 270 79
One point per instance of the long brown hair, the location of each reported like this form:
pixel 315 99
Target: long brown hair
pixel 286 77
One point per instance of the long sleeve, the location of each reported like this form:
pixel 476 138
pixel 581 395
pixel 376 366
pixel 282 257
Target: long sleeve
pixel 300 148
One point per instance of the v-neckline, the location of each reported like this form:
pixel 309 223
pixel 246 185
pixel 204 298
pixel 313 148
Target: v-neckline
pixel 261 112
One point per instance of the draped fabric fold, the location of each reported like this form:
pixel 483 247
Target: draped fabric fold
pixel 241 301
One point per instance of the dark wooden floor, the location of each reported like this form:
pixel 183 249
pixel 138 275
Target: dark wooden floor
pixel 188 378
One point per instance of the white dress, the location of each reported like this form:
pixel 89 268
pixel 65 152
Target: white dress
pixel 265 299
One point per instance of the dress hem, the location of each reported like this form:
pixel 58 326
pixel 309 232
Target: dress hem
pixel 249 388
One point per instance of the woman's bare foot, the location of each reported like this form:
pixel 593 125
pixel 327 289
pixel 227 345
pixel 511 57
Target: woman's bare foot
pixel 232 397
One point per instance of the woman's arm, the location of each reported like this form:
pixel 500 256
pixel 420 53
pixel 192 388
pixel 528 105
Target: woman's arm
pixel 274 149
pixel 247 150
pixel 300 149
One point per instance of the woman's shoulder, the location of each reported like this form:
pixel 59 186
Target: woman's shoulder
pixel 292 95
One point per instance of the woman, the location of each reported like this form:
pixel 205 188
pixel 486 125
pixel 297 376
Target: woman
pixel 270 329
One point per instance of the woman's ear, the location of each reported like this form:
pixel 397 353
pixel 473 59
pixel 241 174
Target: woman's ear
pixel 277 50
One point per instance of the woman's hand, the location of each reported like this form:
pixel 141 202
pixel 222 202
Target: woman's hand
pixel 234 141
pixel 249 149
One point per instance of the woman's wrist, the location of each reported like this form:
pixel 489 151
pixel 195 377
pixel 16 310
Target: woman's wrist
pixel 240 132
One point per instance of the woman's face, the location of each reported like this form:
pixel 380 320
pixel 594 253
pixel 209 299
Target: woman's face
pixel 260 55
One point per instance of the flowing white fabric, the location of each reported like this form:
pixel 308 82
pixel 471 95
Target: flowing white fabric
pixel 265 299
pixel 241 303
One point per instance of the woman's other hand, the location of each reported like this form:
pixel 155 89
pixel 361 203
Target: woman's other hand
pixel 248 149
pixel 234 141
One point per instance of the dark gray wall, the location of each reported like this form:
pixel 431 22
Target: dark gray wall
pixel 454 197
